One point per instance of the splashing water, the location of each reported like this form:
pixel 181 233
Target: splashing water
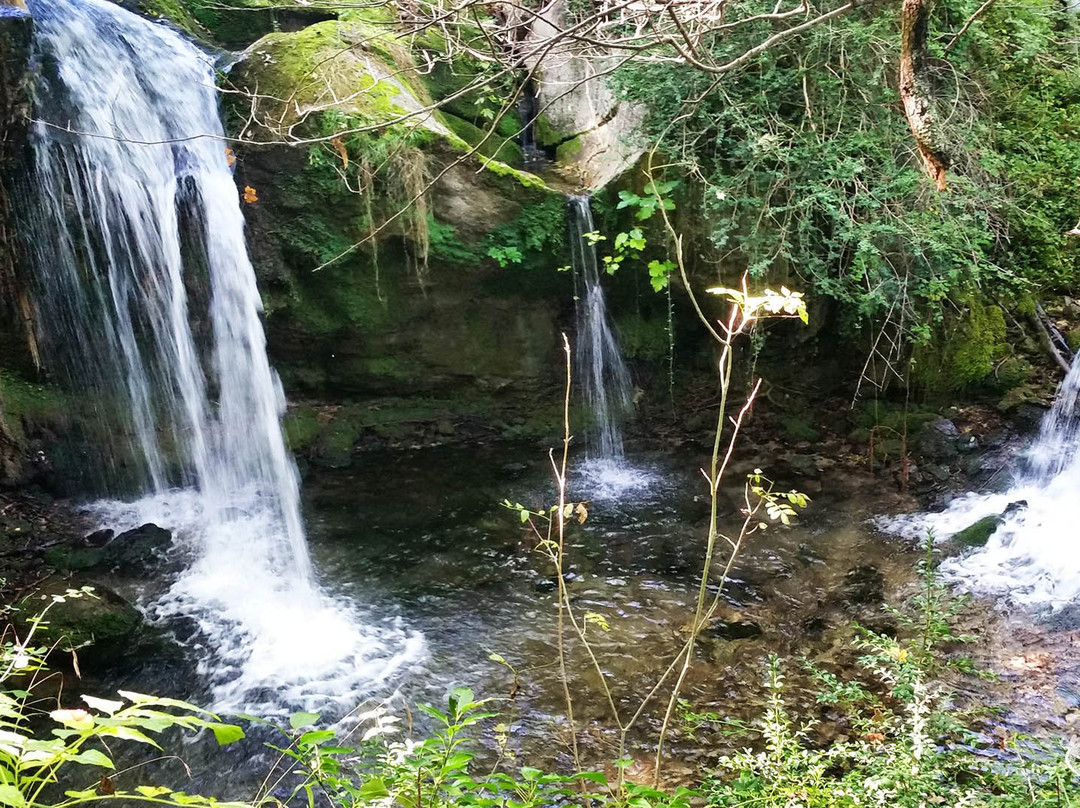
pixel 138 234
pixel 1032 558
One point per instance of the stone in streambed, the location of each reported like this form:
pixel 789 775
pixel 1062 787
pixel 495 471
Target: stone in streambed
pixel 732 630
pixel 979 533
pixel 938 440
pixel 863 585
pixel 103 620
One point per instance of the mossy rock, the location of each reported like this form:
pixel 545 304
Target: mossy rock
pixel 568 151
pixel 341 65
pixel 102 620
pixel 302 427
pixel 799 428
pixel 494 146
pixel 1011 373
pixel 236 24
pixel 25 403
pixel 979 533
pixel 1072 338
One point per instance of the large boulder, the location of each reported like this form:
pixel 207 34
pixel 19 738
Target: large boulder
pixel 593 133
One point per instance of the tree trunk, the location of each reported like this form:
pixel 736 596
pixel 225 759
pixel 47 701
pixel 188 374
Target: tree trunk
pixel 916 90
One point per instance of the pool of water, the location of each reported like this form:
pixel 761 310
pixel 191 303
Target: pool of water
pixel 419 540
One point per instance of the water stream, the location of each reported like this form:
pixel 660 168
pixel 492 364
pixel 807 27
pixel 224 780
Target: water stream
pixel 146 298
pixel 1032 557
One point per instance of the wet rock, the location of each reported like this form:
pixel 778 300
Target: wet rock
pixel 1028 417
pixel 736 628
pixel 936 472
pixel 545 585
pixel 938 440
pixel 140 550
pixel 99 538
pixel 979 533
pixel 863 585
pixel 806 555
pixel 803 465
pixel 136 552
pixel 815 625
pixel 967 443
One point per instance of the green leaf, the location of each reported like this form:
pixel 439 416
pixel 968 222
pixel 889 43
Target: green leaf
pixel 315 737
pixel 10 795
pixel 92 757
pixel 226 734
pixel 593 777
pixel 84 795
pixel 127 734
pixel 153 791
pixel 461 699
pixel 373 789
pixel 102 705
pixel 298 720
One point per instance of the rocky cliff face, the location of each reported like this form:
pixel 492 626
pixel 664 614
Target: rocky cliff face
pixel 397 256
pixel 15 28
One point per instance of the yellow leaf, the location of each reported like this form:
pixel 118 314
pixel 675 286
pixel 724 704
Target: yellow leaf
pixel 250 196
pixel 582 513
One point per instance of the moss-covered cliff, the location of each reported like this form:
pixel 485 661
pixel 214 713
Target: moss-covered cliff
pixel 395 258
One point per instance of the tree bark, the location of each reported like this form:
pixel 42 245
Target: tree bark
pixel 916 89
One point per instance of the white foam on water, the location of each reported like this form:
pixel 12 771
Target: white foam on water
pixel 272 643
pixel 1033 558
pixel 611 479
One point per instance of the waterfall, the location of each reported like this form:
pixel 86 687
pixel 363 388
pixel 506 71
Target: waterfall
pixel 600 368
pixel 1033 557
pixel 146 298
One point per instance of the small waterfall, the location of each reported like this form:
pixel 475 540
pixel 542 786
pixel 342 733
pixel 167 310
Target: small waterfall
pixel 600 368
pixel 1033 557
pixel 147 298
pixel 528 110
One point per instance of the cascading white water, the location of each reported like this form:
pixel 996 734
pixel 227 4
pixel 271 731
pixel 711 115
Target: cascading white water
pixel 601 369
pixel 1033 558
pixel 138 234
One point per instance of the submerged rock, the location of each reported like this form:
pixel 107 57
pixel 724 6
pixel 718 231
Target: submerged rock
pixel 732 630
pixel 863 585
